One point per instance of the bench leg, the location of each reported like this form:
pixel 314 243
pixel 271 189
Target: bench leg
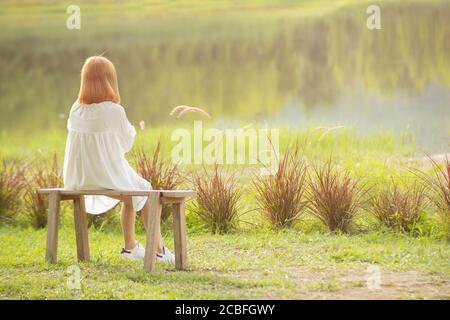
pixel 152 231
pixel 52 227
pixel 179 235
pixel 81 229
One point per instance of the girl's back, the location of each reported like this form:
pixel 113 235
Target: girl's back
pixel 99 135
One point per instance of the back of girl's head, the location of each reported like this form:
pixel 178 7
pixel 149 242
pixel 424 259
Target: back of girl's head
pixel 98 81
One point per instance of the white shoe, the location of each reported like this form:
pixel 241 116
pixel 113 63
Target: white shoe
pixel 166 257
pixel 137 253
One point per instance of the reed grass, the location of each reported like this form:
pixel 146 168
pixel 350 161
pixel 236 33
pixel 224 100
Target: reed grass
pixel 217 201
pixel 437 186
pixel 12 179
pixel 398 207
pixel 40 175
pixel 335 196
pixel 280 197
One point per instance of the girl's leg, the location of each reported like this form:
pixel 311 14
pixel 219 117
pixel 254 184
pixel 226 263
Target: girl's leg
pixel 128 219
pixel 145 213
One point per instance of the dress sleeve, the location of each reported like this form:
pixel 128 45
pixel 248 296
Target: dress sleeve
pixel 127 132
pixel 69 118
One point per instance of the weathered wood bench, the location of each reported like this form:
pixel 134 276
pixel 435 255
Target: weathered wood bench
pixel 157 198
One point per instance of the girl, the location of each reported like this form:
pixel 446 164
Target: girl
pixel 99 135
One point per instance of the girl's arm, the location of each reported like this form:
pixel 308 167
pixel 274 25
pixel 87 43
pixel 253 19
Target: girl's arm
pixel 127 132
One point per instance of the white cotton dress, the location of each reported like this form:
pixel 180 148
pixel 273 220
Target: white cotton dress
pixel 99 135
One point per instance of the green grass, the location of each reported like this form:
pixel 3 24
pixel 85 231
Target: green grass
pixel 257 264
pixel 254 261
pixel 347 144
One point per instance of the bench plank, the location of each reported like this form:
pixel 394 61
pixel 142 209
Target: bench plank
pixel 114 193
pixel 167 200
pixel 178 193
pixel 119 193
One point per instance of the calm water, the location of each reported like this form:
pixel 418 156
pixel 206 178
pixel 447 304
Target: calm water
pixel 287 66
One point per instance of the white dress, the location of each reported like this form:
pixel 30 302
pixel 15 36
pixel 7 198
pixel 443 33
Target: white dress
pixel 99 135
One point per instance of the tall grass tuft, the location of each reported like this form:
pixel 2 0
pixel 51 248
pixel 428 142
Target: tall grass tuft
pixel 217 199
pixel 12 180
pixel 162 174
pixel 40 175
pixel 398 208
pixel 335 196
pixel 438 187
pixel 280 196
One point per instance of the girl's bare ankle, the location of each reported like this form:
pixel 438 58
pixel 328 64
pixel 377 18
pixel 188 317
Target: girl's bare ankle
pixel 130 246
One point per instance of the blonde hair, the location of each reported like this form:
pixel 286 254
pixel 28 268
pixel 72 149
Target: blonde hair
pixel 98 81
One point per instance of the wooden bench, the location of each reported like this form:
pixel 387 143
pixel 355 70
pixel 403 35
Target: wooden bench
pixel 157 198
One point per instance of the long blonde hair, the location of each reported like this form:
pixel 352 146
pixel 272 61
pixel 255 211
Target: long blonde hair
pixel 98 81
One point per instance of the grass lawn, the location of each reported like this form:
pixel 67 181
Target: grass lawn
pixel 257 264
pixel 306 262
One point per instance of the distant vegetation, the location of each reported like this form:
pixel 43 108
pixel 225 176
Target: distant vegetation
pixel 240 64
pixel 341 179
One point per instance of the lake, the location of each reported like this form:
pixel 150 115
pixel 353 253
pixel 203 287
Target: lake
pixel 290 64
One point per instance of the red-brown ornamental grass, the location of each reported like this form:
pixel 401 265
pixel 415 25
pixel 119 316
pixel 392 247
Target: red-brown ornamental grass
pixel 437 186
pixel 217 201
pixel 335 196
pixel 40 175
pixel 280 197
pixel 398 207
pixel 12 180
pixel 161 173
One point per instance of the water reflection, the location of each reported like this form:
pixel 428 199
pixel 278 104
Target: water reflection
pixel 285 68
